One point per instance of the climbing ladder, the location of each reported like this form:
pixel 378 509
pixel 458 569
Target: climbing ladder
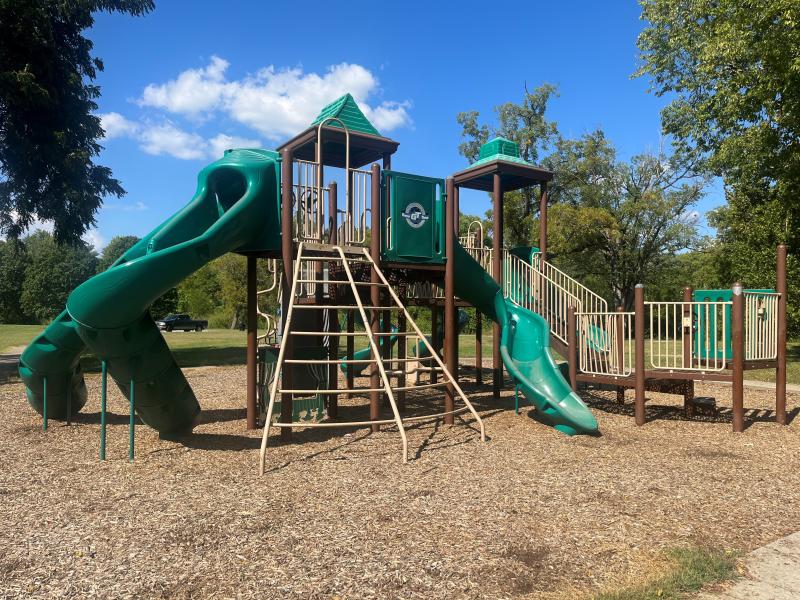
pixel 303 276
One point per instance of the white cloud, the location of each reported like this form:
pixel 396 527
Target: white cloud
pixel 94 238
pixel 275 102
pixel 219 143
pixel 192 92
pixel 168 139
pixel 115 125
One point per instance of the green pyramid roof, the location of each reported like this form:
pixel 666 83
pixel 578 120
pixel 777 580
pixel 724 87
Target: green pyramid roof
pixel 346 109
pixel 499 148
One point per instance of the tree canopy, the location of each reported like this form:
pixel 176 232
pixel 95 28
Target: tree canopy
pixel 49 133
pixel 614 224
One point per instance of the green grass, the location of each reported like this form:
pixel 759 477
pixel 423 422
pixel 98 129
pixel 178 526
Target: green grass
pixel 689 570
pixel 191 349
pixel 227 347
pixel 12 336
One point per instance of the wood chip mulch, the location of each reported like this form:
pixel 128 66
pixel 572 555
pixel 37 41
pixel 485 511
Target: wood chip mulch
pixel 530 514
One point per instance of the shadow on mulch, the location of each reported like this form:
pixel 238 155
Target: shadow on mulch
pixel 676 413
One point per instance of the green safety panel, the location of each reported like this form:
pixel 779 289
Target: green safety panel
pixel 415 209
pixel 706 333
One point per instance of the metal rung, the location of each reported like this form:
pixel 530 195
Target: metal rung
pixel 343 307
pixel 329 361
pixel 422 386
pixel 348 334
pixel 333 391
pixel 336 282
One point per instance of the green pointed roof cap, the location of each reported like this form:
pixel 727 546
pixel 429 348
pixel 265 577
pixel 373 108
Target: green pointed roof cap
pixel 499 148
pixel 346 109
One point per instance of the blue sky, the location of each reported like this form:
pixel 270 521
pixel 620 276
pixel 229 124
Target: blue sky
pixel 181 84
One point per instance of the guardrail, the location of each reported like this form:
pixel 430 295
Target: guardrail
pixel 761 325
pixel 605 342
pixel 689 336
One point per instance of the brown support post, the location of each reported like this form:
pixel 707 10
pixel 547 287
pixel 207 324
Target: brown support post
pixel 737 341
pixel 478 347
pixel 688 359
pixel 333 321
pixel 543 220
pixel 450 339
pixel 780 369
pixel 639 353
pixel 287 252
pixel 386 322
pixel 435 338
pixel 572 347
pixel 497 270
pixel 252 341
pixel 375 292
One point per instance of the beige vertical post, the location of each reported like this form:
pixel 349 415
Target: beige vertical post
pixel 572 347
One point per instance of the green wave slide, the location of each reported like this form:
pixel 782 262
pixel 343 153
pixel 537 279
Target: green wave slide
pixel 525 349
pixel 235 208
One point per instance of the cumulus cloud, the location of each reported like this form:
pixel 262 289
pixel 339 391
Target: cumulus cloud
pixel 115 125
pixel 219 143
pixel 275 102
pixel 168 139
pixel 192 92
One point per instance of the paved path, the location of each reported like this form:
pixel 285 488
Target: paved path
pixel 8 366
pixel 773 574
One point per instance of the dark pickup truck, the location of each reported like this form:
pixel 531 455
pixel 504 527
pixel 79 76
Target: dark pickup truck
pixel 181 321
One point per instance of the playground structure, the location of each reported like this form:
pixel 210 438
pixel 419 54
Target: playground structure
pixel 391 243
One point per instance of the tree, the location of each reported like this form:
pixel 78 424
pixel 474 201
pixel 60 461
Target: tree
pixel 199 294
pixel 526 124
pixel 13 260
pixel 118 246
pixel 749 232
pixel 52 272
pixel 616 224
pixel 733 68
pixel 48 132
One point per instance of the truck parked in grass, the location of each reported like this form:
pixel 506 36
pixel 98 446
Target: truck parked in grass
pixel 180 321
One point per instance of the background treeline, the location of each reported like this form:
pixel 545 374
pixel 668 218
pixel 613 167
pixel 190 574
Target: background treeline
pixel 37 275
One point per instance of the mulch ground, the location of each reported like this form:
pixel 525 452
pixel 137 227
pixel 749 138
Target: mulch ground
pixel 531 513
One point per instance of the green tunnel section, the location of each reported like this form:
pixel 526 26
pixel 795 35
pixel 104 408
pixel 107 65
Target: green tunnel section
pixel 235 208
pixel 525 349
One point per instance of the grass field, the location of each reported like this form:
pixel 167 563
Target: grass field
pixel 227 347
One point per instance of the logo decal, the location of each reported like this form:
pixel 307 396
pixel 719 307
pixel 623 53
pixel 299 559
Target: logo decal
pixel 415 215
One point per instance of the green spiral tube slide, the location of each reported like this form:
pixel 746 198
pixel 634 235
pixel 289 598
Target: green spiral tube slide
pixel 236 208
pixel 525 349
